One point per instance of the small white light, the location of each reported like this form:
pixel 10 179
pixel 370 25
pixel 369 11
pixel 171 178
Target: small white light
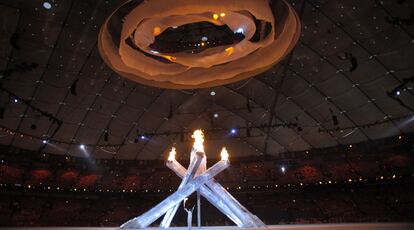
pixel 82 146
pixel 154 52
pixel 204 39
pixel 216 115
pixel 283 169
pixel 15 100
pixel 398 93
pixel 47 5
pixel 233 131
pixel 143 137
pixel 240 31
pixel 212 93
pixel 44 141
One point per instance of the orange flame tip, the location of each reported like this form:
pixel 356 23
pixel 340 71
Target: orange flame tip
pixel 171 157
pixel 224 154
pixel 198 140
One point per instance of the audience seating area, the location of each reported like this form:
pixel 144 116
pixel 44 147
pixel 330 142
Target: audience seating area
pixel 386 202
pixel 315 187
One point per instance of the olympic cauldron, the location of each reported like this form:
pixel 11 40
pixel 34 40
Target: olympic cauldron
pixel 197 178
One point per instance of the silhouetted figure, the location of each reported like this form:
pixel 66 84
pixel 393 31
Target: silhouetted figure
pixel 189 214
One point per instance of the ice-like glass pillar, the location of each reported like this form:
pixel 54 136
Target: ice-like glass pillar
pixel 156 212
pixel 196 158
pixel 197 178
pixel 206 193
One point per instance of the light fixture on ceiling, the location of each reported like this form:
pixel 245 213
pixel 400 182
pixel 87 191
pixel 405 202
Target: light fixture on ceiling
pixel 212 93
pixel 229 50
pixel 82 146
pixel 397 93
pixel 156 31
pixel 216 115
pixel 233 131
pixel 47 5
pixel 240 31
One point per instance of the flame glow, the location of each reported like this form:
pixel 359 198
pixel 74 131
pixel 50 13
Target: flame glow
pixel 224 154
pixel 171 58
pixel 198 140
pixel 229 51
pixel 171 157
pixel 156 31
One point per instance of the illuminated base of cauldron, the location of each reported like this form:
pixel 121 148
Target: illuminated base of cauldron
pixel 355 226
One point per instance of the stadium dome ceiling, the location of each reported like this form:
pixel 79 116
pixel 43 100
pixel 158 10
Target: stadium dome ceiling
pixel 344 83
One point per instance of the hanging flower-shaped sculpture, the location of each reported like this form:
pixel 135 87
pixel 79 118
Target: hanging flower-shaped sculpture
pixel 197 43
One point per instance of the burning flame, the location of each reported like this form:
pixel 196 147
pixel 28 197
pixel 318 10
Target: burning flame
pixel 171 157
pixel 224 154
pixel 198 140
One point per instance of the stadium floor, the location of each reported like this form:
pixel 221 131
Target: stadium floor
pixel 356 226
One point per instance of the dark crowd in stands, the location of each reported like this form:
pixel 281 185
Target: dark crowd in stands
pixel 355 183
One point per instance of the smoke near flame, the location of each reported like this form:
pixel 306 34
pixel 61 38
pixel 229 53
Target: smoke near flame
pixel 171 157
pixel 224 154
pixel 198 140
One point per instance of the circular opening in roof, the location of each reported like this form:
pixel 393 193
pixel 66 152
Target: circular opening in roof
pixel 187 38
